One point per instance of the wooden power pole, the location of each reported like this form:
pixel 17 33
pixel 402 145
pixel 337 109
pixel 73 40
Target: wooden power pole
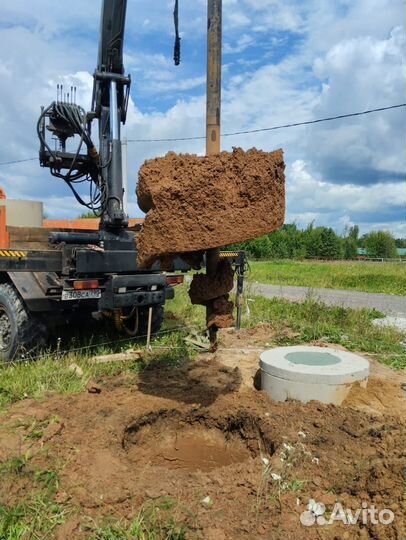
pixel 213 114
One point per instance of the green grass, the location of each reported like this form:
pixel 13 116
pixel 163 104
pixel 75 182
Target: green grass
pixel 34 518
pixel 39 378
pixel 32 513
pixel 51 373
pixel 312 320
pixel 389 278
pixel 36 515
pixel 309 321
pixel 149 524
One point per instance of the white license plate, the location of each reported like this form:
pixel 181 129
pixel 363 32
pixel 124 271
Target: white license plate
pixel 81 295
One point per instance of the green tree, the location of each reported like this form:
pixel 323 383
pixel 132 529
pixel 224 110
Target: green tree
pixel 293 239
pixel 349 248
pixel 259 248
pixel 330 244
pixel 87 215
pixel 400 242
pixel 313 241
pixel 350 242
pixel 353 232
pixel 380 244
pixel 322 242
pixel 290 242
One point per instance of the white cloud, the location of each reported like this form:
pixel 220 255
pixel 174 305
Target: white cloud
pixel 236 19
pixel 265 15
pixel 358 74
pixel 242 43
pixel 340 204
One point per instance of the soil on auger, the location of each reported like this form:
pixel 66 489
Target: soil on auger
pixel 194 203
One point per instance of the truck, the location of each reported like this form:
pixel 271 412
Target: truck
pixel 81 274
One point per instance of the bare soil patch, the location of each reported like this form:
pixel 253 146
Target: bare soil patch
pixel 201 436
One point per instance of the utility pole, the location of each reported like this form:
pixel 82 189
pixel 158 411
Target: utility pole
pixel 213 103
pixel 213 113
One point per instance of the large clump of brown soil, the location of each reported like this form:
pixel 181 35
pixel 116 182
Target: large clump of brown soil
pixel 194 203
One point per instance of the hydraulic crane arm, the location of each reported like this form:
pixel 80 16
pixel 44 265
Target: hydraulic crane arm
pixel 109 104
pixel 110 58
pixel 65 119
pixel 111 38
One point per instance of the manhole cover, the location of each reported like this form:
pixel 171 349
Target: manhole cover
pixel 312 358
pixel 310 373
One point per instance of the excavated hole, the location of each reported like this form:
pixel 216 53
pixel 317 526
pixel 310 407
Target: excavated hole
pixel 195 440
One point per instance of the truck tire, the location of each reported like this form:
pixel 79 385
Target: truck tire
pixel 157 320
pixel 20 333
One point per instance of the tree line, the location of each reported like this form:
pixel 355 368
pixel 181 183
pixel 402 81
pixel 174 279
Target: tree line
pixel 291 242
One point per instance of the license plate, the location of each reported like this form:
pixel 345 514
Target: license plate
pixel 81 295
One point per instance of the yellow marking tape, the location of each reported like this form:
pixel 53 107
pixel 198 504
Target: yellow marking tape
pixel 6 253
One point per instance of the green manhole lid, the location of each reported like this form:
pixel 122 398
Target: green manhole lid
pixel 313 358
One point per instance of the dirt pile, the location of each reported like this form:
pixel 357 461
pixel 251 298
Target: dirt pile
pixel 194 203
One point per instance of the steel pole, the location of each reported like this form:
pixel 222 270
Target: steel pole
pixel 115 175
pixel 124 157
pixel 213 114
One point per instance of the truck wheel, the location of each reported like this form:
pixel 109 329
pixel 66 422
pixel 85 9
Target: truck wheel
pixel 157 320
pixel 20 333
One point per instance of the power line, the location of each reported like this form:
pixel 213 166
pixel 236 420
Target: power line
pixel 17 161
pixel 295 124
pixel 245 132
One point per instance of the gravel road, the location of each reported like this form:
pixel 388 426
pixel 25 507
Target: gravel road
pixel 388 304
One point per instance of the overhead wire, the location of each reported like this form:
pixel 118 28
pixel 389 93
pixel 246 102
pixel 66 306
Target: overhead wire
pixel 248 131
pixel 18 161
pixel 272 128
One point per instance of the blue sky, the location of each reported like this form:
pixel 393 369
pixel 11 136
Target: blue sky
pixel 283 61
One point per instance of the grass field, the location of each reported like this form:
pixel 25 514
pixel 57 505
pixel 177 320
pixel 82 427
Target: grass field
pixel 309 321
pixel 389 278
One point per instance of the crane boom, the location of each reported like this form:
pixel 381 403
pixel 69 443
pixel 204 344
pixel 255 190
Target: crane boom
pixel 111 40
pixel 64 119
pixel 110 100
pixel 94 273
